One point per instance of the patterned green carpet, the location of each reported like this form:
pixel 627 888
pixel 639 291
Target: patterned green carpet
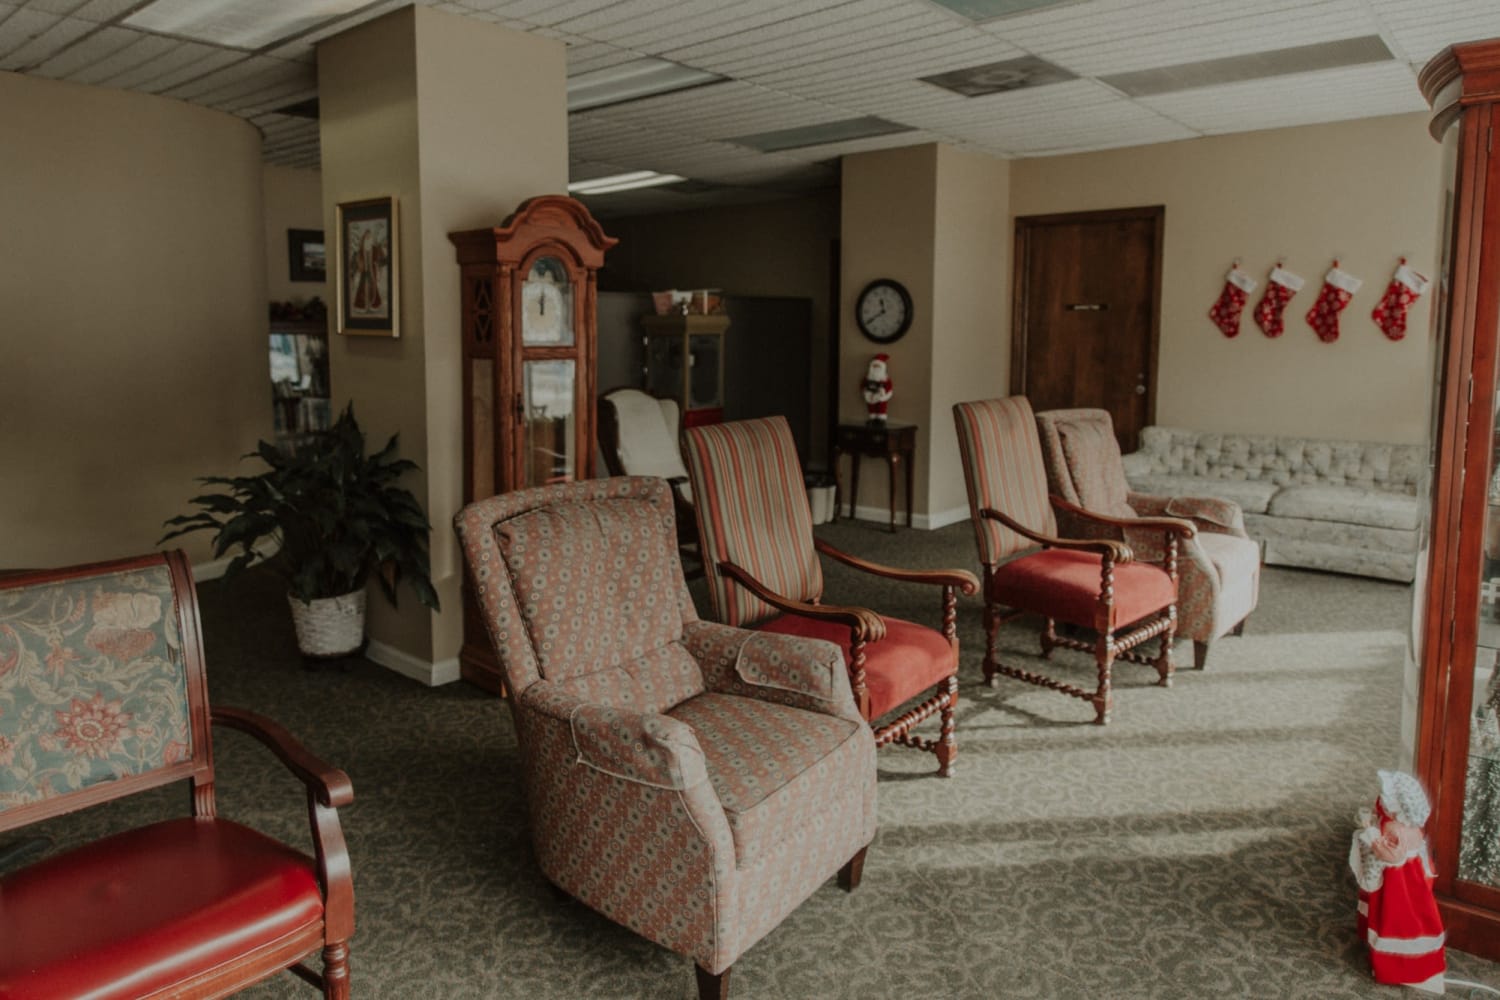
pixel 1194 848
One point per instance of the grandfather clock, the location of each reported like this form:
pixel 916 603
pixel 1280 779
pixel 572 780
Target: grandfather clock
pixel 1456 640
pixel 529 347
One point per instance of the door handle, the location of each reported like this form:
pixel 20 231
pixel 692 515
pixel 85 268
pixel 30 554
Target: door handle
pixel 1092 307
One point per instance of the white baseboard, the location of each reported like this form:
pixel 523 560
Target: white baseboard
pixel 926 522
pixel 214 569
pixel 407 665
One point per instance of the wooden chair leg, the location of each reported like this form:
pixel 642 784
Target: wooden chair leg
pixel 336 971
pixel 1200 655
pixel 1163 663
pixel 1104 698
pixel 853 871
pixel 713 987
pixel 947 744
pixel 1049 639
pixel 991 637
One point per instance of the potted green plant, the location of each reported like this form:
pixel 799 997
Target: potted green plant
pixel 337 517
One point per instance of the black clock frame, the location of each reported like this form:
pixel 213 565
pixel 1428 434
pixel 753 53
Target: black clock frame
pixel 906 306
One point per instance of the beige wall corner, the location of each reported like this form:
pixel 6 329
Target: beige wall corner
pixel 888 230
pixel 1360 190
pixel 293 199
pixel 134 338
pixel 459 121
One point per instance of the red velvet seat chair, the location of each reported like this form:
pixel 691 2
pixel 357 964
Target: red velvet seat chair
pixel 761 560
pixel 102 695
pixel 1093 584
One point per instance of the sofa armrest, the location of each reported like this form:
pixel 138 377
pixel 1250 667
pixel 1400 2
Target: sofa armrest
pixel 787 669
pixel 1222 517
pixel 647 748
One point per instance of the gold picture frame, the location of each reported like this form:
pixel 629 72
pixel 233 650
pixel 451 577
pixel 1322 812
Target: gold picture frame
pixel 368 277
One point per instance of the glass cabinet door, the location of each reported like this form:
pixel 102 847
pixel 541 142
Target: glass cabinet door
pixel 549 452
pixel 1479 840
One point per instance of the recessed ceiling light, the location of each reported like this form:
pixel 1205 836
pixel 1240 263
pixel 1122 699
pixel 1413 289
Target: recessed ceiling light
pixel 623 182
pixel 241 24
pixel 632 81
pixel 844 130
pixel 1000 77
pixel 1254 66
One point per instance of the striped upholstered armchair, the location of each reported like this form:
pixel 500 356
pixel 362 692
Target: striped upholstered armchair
pixel 1219 566
pixel 761 561
pixel 1089 583
pixel 692 782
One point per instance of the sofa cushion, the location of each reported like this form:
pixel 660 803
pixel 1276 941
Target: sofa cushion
pixel 766 763
pixel 1252 496
pixel 1349 504
pixel 144 910
pixel 909 660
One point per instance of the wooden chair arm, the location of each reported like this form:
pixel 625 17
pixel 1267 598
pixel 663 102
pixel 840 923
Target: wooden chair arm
pixel 1171 525
pixel 1117 551
pixel 865 624
pixel 965 581
pixel 330 785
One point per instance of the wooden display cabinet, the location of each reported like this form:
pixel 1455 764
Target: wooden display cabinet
pixel 1456 636
pixel 529 350
pixel 685 362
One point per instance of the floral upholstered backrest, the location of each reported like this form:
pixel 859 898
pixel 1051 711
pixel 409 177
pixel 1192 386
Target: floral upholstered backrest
pixel 95 685
pixel 1083 459
pixel 580 583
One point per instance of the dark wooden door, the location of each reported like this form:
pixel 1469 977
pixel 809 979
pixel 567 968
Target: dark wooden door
pixel 1087 313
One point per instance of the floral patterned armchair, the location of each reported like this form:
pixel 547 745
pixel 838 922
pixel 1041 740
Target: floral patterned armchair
pixel 692 782
pixel 1220 565
pixel 102 694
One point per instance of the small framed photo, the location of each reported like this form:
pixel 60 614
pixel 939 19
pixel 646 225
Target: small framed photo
pixel 305 255
pixel 368 277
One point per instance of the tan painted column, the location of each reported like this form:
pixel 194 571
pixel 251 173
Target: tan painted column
pixel 460 121
pixel 937 220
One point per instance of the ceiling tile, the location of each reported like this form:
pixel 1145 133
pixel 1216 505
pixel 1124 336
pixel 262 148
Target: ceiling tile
pixel 98 43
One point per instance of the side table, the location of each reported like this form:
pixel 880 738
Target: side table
pixel 895 442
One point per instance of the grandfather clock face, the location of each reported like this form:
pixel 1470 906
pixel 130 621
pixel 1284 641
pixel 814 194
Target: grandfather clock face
pixel 547 305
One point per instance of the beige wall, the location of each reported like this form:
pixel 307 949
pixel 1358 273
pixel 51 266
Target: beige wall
pixel 888 221
pixel 493 131
pixel 774 248
pixel 971 305
pixel 1360 190
pixel 133 344
pixel 293 199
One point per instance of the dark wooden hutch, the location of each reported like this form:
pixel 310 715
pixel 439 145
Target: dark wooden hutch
pixel 1457 629
pixel 529 350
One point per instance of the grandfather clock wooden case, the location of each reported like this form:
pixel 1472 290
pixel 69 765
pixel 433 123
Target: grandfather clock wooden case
pixel 1457 617
pixel 529 335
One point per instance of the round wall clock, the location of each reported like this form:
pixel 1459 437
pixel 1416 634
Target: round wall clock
pixel 883 311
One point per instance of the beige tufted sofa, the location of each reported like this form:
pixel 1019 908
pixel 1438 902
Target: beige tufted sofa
pixel 1345 506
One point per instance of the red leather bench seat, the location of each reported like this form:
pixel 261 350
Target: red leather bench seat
pixel 141 911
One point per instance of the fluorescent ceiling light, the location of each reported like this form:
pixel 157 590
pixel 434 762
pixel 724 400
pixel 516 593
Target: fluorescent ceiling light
pixel 241 24
pixel 1254 66
pixel 632 81
pixel 844 130
pixel 623 182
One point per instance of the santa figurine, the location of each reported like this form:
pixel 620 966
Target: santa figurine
pixel 877 388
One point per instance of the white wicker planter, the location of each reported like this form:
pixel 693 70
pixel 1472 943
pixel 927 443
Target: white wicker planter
pixel 329 626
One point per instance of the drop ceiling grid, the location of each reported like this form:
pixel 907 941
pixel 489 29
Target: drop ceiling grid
pixel 74 58
pixel 642 15
pixel 905 61
pixel 713 115
pixel 104 10
pixel 62 7
pixel 551 15
pixel 586 57
pixel 246 70
pixel 176 58
pixel 210 62
pixel 1102 20
pixel 144 49
pixel 1303 99
pixel 827 22
pixel 1167 44
pixel 28 37
pixel 1423 30
pixel 693 26
pixel 880 33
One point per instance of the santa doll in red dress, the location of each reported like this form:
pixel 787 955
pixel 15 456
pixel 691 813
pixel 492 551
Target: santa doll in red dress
pixel 1398 915
pixel 877 389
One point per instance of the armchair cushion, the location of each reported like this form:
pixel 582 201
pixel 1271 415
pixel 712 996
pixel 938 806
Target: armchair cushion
pixel 94 922
pixel 1064 584
pixel 908 661
pixel 1091 456
pixel 772 766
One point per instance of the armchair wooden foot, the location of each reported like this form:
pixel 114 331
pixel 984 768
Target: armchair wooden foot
pixel 714 987
pixel 853 871
pixel 1104 698
pixel 1200 655
pixel 1240 628
pixel 947 744
pixel 336 971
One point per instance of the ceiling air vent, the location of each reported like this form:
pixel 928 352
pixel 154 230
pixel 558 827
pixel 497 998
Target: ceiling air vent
pixel 1255 66
pixel 1000 77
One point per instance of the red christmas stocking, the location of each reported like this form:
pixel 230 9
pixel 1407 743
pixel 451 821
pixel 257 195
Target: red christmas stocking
pixel 1280 287
pixel 1338 288
pixel 1226 312
pixel 1405 288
